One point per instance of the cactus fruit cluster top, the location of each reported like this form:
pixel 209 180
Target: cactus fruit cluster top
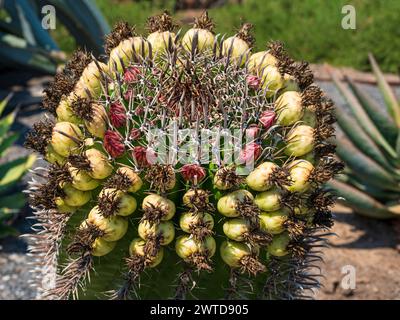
pixel 183 166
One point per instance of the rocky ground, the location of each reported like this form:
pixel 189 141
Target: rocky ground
pixel 367 245
pixel 370 247
pixel 15 277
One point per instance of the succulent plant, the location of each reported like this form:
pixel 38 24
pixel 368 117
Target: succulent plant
pixel 11 172
pixel 117 192
pixel 368 143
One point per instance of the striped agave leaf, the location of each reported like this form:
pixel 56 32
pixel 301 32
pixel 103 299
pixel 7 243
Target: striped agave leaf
pixel 368 143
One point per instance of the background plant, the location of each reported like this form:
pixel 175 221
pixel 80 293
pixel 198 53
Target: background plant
pixel 11 172
pixel 368 141
pixel 24 42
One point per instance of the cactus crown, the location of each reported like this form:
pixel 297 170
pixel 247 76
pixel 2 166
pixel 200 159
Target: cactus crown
pixel 160 23
pixel 121 31
pixel 164 139
pixel 204 22
pixel 245 34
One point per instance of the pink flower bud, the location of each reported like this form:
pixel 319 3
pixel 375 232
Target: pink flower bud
pixel 139 111
pixel 162 99
pixel 117 115
pixel 144 156
pixel 250 152
pixel 135 134
pixel 129 94
pixel 253 82
pixel 252 131
pixel 131 74
pixel 113 143
pixel 193 172
pixel 267 119
pixel 156 71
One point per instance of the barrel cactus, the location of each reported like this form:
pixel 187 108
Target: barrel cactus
pixel 369 144
pixel 182 167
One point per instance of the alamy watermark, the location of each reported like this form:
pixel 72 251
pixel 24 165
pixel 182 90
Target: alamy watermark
pixel 49 17
pixel 349 279
pixel 349 19
pixel 187 146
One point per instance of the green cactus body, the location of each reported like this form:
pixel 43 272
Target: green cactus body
pixel 151 210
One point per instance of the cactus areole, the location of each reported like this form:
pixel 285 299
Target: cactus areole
pixel 172 170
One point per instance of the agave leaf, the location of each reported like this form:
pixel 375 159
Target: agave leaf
pixel 25 31
pixel 15 24
pixel 5 214
pixel 15 50
pixel 364 166
pixel 84 21
pixel 7 231
pixel 12 171
pixel 359 201
pixel 398 144
pixel 8 27
pixel 394 207
pixel 4 103
pixel 380 117
pixel 6 142
pixel 14 201
pixel 377 193
pixel 6 122
pixel 362 116
pixel 360 139
pixel 388 94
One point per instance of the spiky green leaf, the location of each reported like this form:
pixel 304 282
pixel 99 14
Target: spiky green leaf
pixel 6 142
pixel 379 115
pixel 363 117
pixel 6 123
pixel 14 201
pixel 11 172
pixel 387 92
pixel 359 201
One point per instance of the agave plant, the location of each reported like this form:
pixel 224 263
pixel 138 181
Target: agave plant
pixel 11 172
pixel 117 193
pixel 24 42
pixel 368 142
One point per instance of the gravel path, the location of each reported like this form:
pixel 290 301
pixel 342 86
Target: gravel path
pixel 14 270
pixel 15 277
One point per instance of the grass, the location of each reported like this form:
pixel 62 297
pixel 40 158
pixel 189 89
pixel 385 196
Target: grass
pixel 311 29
